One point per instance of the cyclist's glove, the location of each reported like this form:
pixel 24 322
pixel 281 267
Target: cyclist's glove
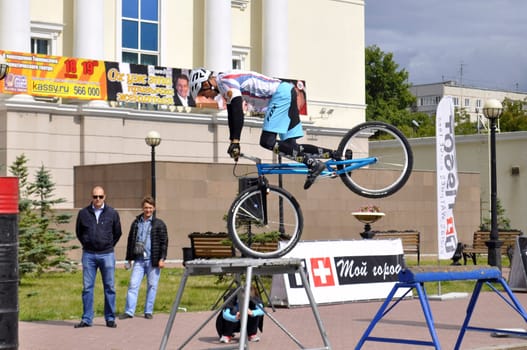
pixel 234 151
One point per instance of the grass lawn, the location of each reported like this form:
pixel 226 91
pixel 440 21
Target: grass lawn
pixel 57 296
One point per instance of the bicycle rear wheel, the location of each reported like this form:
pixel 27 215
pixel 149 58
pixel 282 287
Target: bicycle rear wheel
pixel 394 159
pixel 265 227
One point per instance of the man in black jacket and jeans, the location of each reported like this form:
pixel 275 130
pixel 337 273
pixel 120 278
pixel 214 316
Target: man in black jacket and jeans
pixel 147 248
pixel 98 229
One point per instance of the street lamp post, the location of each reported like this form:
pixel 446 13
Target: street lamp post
pixel 153 139
pixel 492 111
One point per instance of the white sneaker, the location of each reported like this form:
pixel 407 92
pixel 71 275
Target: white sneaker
pixel 254 338
pixel 225 339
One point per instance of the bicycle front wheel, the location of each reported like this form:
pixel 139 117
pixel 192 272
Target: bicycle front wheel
pixel 392 151
pixel 267 226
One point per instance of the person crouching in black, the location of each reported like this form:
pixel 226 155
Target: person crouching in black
pixel 228 321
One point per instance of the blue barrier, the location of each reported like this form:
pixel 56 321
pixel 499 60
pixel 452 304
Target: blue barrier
pixel 415 277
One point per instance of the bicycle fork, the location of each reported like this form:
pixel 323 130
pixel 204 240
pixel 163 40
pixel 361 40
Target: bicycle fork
pixel 263 185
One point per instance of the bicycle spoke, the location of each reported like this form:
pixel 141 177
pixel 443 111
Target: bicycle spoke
pixel 393 165
pixel 283 223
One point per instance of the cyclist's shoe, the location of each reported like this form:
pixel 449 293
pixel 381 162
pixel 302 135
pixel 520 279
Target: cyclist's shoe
pixel 254 338
pixel 348 154
pixel 316 167
pixel 225 339
pixel 334 155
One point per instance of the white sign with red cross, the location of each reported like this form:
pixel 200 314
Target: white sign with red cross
pixel 340 271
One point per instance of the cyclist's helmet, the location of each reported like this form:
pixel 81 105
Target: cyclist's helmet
pixel 197 78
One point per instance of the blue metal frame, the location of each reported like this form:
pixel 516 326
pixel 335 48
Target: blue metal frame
pixel 414 280
pixel 301 169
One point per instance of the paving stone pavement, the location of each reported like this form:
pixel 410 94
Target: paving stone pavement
pixel 344 325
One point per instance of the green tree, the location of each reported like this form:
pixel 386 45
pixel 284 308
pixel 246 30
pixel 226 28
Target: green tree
pixel 388 97
pixel 387 88
pixel 463 124
pixel 514 117
pixel 19 170
pixel 42 245
pixel 504 223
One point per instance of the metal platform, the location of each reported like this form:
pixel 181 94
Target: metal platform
pixel 250 268
pixel 414 278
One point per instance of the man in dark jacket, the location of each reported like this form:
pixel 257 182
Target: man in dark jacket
pixel 147 248
pixel 98 229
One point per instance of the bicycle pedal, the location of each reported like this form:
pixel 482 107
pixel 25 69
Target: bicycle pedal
pixel 331 175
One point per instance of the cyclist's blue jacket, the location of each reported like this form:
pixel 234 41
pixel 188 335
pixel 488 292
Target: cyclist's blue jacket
pixel 263 94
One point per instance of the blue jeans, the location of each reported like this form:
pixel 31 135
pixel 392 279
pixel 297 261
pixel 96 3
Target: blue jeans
pixel 106 264
pixel 140 269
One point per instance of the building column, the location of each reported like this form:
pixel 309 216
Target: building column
pixel 15 25
pixel 275 38
pixel 89 29
pixel 218 35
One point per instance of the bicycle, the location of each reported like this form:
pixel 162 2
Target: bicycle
pixel 265 221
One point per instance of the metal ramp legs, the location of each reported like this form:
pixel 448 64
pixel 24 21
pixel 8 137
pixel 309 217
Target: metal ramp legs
pixel 251 267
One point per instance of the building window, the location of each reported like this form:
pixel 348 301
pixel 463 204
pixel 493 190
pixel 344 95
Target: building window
pixel 44 37
pixel 140 31
pixel 239 57
pixel 41 46
pixel 467 102
pixel 456 101
pixel 429 100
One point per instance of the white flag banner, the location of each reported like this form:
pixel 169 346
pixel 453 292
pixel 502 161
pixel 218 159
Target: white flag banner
pixel 447 178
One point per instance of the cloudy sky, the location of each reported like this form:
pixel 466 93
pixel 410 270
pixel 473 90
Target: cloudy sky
pixel 436 40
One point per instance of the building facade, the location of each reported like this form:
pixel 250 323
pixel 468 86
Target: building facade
pixel 470 99
pixel 273 37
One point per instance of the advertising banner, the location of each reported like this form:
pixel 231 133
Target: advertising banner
pixel 447 178
pixel 122 83
pixel 340 271
pixel 135 83
pixel 54 76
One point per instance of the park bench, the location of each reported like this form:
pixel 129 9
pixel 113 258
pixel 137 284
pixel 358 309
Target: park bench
pixel 479 247
pixel 210 245
pixel 216 245
pixel 410 239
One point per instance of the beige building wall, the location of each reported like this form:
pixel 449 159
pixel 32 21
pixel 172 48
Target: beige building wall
pixel 181 34
pixel 194 197
pixel 327 50
pixel 67 136
pixel 473 156
pixel 325 39
pixel 61 137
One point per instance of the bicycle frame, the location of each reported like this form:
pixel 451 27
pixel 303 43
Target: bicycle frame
pixel 301 169
pixel 265 208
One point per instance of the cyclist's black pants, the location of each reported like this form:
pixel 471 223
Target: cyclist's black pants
pixel 289 147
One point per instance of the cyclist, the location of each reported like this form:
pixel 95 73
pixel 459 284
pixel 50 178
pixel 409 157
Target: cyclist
pixel 264 94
